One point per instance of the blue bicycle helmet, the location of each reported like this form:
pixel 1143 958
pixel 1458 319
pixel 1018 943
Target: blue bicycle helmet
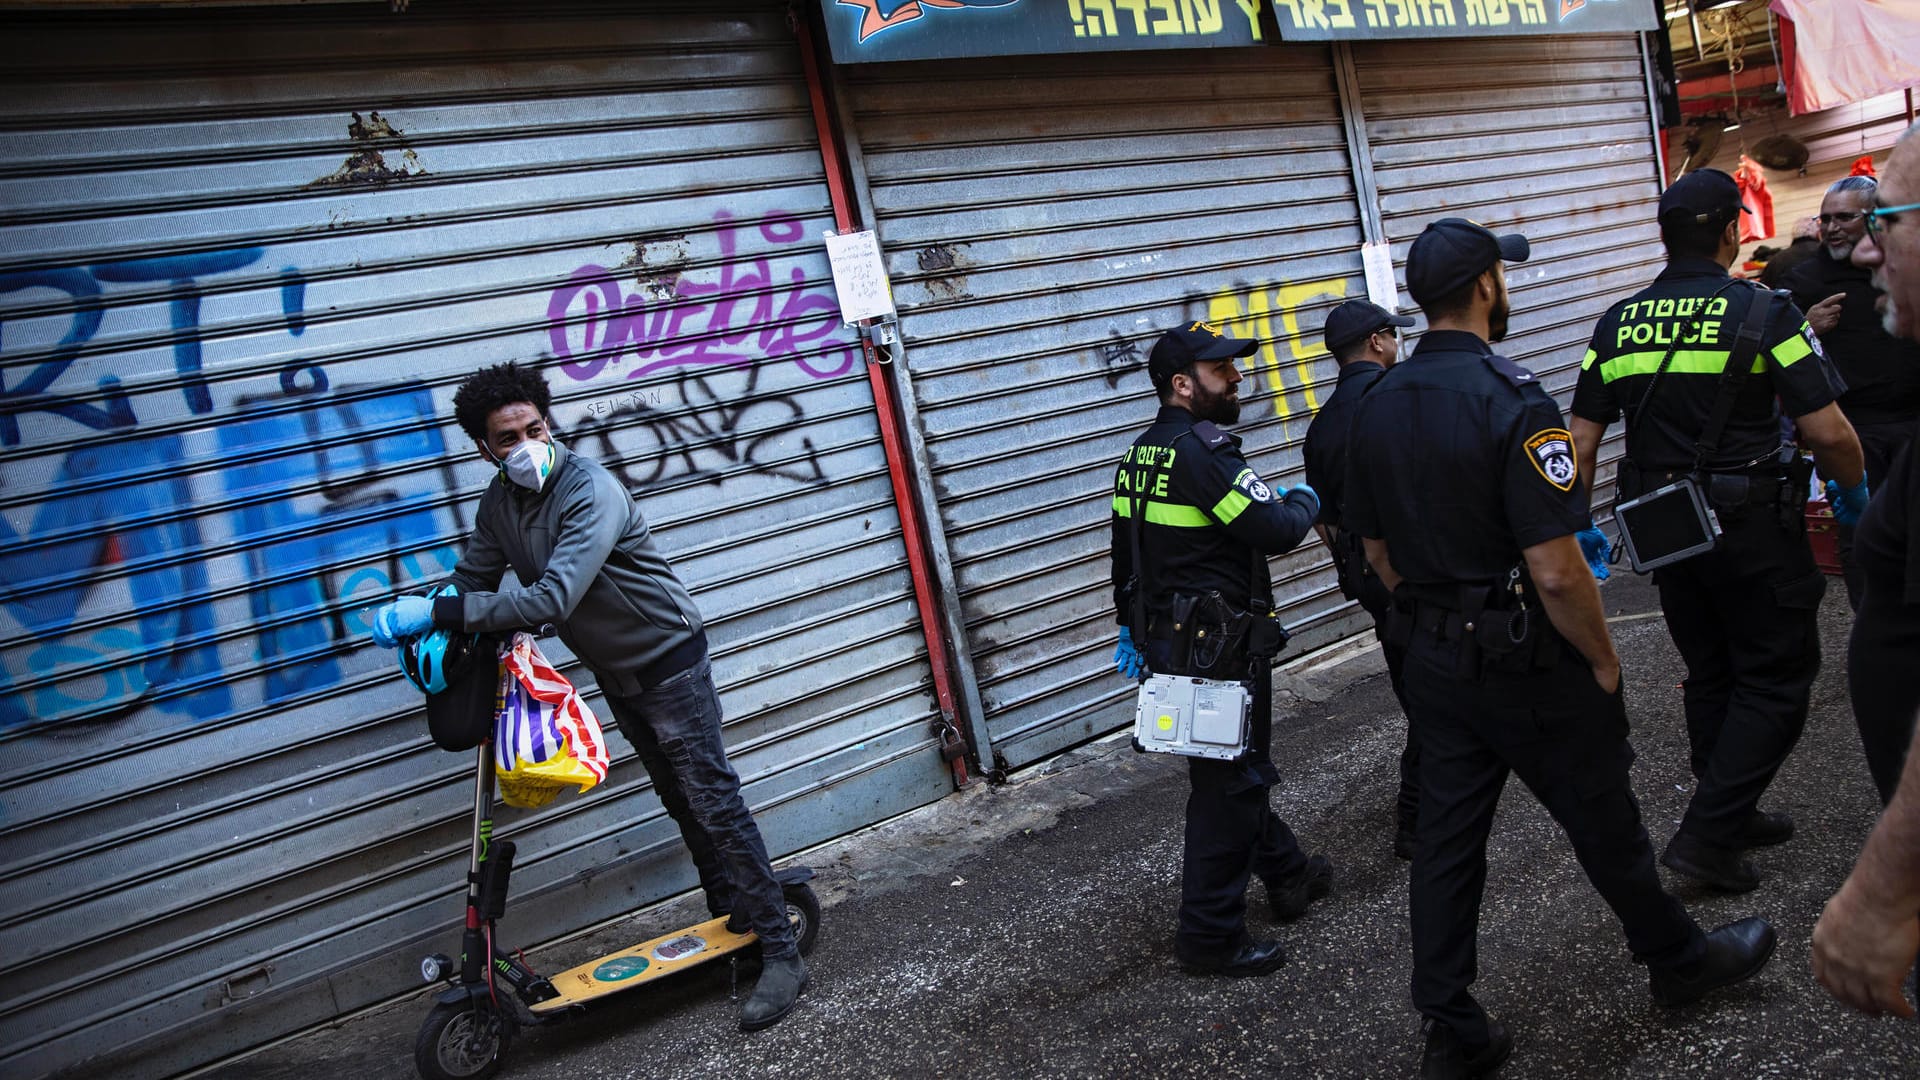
pixel 429 658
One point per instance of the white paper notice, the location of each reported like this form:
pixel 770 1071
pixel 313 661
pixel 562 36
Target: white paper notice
pixel 859 276
pixel 1378 261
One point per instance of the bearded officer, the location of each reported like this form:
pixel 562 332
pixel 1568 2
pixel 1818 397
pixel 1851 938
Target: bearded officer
pixel 1206 524
pixel 1462 485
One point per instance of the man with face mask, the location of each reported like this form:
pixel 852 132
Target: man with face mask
pixel 587 565
pixel 1461 483
pixel 1743 615
pixel 1882 372
pixel 1203 523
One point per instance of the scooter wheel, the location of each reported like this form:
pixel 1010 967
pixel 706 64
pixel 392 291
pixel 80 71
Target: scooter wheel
pixel 462 1041
pixel 803 911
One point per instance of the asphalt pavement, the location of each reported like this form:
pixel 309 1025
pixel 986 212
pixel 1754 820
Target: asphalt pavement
pixel 1025 929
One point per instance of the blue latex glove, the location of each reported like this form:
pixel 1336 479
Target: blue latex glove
pixel 1127 659
pixel 1593 544
pixel 1848 503
pixel 401 618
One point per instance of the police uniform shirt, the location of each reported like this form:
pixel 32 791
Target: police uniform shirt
pixel 1633 337
pixel 1882 372
pixel 1205 514
pixel 1466 462
pixel 1325 448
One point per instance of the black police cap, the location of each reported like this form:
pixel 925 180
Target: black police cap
pixel 1708 196
pixel 1184 346
pixel 1452 252
pixel 1356 319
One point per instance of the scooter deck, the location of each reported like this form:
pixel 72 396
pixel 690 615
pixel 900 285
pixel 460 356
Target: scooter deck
pixel 676 951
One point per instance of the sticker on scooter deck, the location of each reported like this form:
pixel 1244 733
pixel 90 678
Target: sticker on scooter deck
pixel 644 963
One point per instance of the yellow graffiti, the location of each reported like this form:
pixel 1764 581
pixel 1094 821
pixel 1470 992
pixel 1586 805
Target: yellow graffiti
pixel 1270 312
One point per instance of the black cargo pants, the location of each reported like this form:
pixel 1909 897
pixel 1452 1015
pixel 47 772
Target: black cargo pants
pixel 1567 741
pixel 1745 619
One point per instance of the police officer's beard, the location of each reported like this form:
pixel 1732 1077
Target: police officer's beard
pixel 1497 319
pixel 1219 408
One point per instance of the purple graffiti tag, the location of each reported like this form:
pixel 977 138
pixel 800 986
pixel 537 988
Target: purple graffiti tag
pixel 747 315
pixel 594 286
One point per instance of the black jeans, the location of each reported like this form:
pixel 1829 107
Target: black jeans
pixel 1745 619
pixel 675 727
pixel 1567 741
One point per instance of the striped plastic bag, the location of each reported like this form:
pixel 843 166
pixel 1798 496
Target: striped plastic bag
pixel 545 739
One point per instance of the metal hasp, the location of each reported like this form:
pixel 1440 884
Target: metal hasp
pixel 953 742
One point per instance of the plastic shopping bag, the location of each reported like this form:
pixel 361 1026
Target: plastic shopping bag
pixel 545 738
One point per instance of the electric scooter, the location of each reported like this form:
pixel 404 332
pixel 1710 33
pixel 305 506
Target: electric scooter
pixel 491 993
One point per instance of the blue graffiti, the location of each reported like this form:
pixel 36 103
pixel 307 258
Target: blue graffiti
pixel 307 477
pixel 322 484
pixel 290 548
pixel 121 504
pixel 114 410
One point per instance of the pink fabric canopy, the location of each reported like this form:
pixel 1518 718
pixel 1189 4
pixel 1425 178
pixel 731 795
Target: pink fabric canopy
pixel 1843 51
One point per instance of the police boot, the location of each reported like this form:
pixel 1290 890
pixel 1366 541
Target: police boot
pixel 1765 830
pixel 1735 952
pixel 781 983
pixel 1289 897
pixel 1447 1058
pixel 1248 958
pixel 1722 868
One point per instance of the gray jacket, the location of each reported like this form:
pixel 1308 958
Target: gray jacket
pixel 588 566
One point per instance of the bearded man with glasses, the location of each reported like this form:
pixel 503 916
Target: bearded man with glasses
pixel 1882 372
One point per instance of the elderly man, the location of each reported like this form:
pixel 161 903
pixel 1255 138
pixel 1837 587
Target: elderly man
pixel 1882 372
pixel 1867 937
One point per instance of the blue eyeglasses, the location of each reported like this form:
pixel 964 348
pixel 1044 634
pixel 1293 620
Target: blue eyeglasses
pixel 1887 214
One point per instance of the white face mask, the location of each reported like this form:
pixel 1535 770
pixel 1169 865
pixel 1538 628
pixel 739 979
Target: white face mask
pixel 529 464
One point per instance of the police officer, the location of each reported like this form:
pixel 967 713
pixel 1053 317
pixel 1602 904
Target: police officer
pixel 1364 340
pixel 1461 483
pixel 1743 615
pixel 1204 523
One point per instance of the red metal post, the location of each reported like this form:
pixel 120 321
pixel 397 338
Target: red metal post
pixel 885 404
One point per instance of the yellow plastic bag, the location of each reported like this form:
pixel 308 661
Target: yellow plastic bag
pixel 545 739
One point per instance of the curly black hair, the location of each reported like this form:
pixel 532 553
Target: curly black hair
pixel 491 388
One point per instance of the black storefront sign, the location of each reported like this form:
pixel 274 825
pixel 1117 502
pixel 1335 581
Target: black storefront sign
pixel 867 31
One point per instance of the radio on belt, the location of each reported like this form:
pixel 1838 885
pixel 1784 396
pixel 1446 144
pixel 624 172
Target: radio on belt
pixel 1179 714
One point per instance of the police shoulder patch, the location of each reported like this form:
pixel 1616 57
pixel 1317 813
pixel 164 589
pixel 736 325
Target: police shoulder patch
pixel 1813 341
pixel 1212 437
pixel 1255 488
pixel 1551 452
pixel 1508 370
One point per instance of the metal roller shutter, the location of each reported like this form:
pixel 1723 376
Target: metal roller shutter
pixel 245 257
pixel 1043 219
pixel 1545 136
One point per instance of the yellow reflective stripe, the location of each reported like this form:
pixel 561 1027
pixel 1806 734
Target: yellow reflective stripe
pixel 1230 506
pixel 1587 362
pixel 1794 348
pixel 1686 361
pixel 1178 515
